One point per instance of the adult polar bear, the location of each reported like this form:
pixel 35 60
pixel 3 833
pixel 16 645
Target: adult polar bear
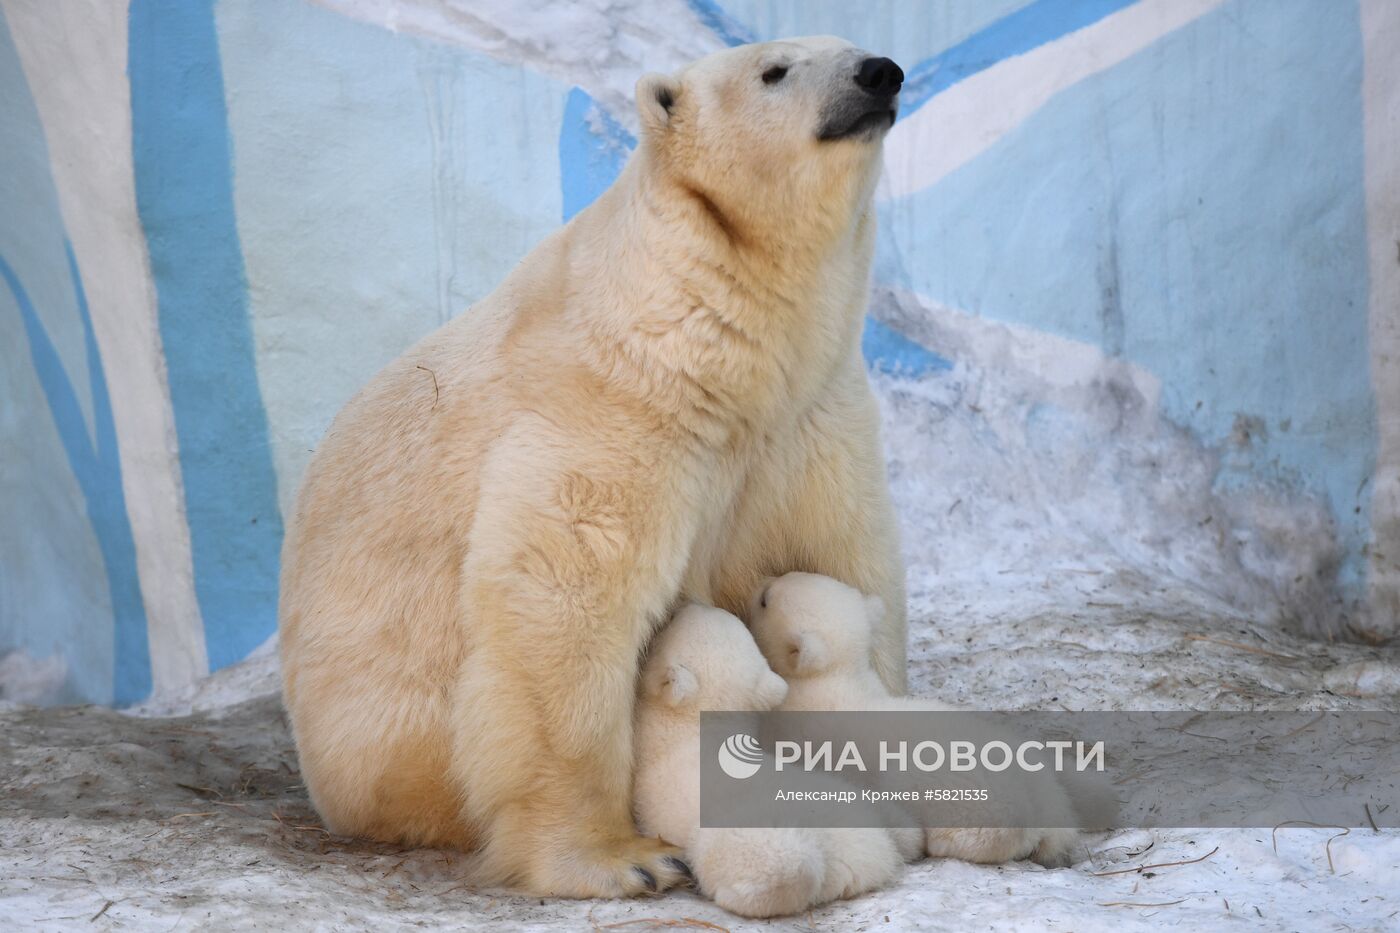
pixel 664 401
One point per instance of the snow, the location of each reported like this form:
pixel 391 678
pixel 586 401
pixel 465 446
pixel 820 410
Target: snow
pixel 600 45
pixel 1067 548
pixel 200 820
pixel 1040 474
pixel 27 679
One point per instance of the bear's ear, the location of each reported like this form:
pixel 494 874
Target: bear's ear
pixel 674 685
pixel 806 653
pixel 656 96
pixel 874 609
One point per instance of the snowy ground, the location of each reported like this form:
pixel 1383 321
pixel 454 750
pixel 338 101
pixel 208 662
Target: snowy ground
pixel 200 821
pixel 1067 549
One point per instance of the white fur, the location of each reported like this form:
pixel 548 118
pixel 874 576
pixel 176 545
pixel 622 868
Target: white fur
pixel 815 632
pixel 706 659
pixel 665 401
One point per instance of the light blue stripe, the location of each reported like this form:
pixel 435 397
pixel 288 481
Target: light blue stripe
pixel 184 195
pixel 588 162
pixel 713 17
pixel 887 350
pixel 1014 34
pixel 98 472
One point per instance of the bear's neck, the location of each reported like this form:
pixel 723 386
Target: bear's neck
pixel 713 317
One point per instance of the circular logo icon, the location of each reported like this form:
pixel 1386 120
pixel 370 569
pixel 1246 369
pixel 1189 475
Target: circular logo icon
pixel 740 756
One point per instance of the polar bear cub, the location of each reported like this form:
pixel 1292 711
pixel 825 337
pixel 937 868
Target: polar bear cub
pixel 816 633
pixel 706 660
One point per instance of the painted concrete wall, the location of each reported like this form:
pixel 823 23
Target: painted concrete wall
pixel 222 216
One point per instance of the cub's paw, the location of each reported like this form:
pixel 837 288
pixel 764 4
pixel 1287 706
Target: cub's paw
pixel 1053 848
pixel 759 872
pixel 858 860
pixel 1056 848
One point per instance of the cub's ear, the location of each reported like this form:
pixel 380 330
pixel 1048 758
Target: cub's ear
pixel 874 609
pixel 674 685
pixel 806 653
pixel 772 690
pixel 656 96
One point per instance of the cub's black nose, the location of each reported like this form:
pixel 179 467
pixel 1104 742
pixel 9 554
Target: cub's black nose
pixel 880 76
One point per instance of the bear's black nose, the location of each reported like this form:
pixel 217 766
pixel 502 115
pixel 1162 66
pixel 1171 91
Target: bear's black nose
pixel 880 76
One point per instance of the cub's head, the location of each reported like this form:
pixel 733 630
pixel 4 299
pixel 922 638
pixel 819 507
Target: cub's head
pixel 705 659
pixel 773 129
pixel 808 625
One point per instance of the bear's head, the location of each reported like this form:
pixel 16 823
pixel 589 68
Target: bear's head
pixel 808 625
pixel 780 132
pixel 705 659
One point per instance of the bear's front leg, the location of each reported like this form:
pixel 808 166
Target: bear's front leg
pixel 819 502
pixel 566 575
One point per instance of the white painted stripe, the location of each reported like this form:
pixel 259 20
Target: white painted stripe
pixel 962 122
pixel 603 46
pixel 1380 90
pixel 74 57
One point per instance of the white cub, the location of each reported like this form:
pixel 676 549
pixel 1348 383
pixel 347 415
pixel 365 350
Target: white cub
pixel 816 633
pixel 706 660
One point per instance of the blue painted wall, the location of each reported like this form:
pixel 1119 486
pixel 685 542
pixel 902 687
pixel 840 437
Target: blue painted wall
pixel 184 193
pixel 68 584
pixel 315 192
pixel 1179 211
pixel 383 184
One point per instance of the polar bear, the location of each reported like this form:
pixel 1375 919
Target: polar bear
pixel 665 400
pixel 706 660
pixel 816 633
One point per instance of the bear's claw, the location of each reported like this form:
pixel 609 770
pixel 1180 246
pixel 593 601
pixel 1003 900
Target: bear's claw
pixel 681 867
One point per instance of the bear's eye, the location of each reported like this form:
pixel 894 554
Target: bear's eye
pixel 775 74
